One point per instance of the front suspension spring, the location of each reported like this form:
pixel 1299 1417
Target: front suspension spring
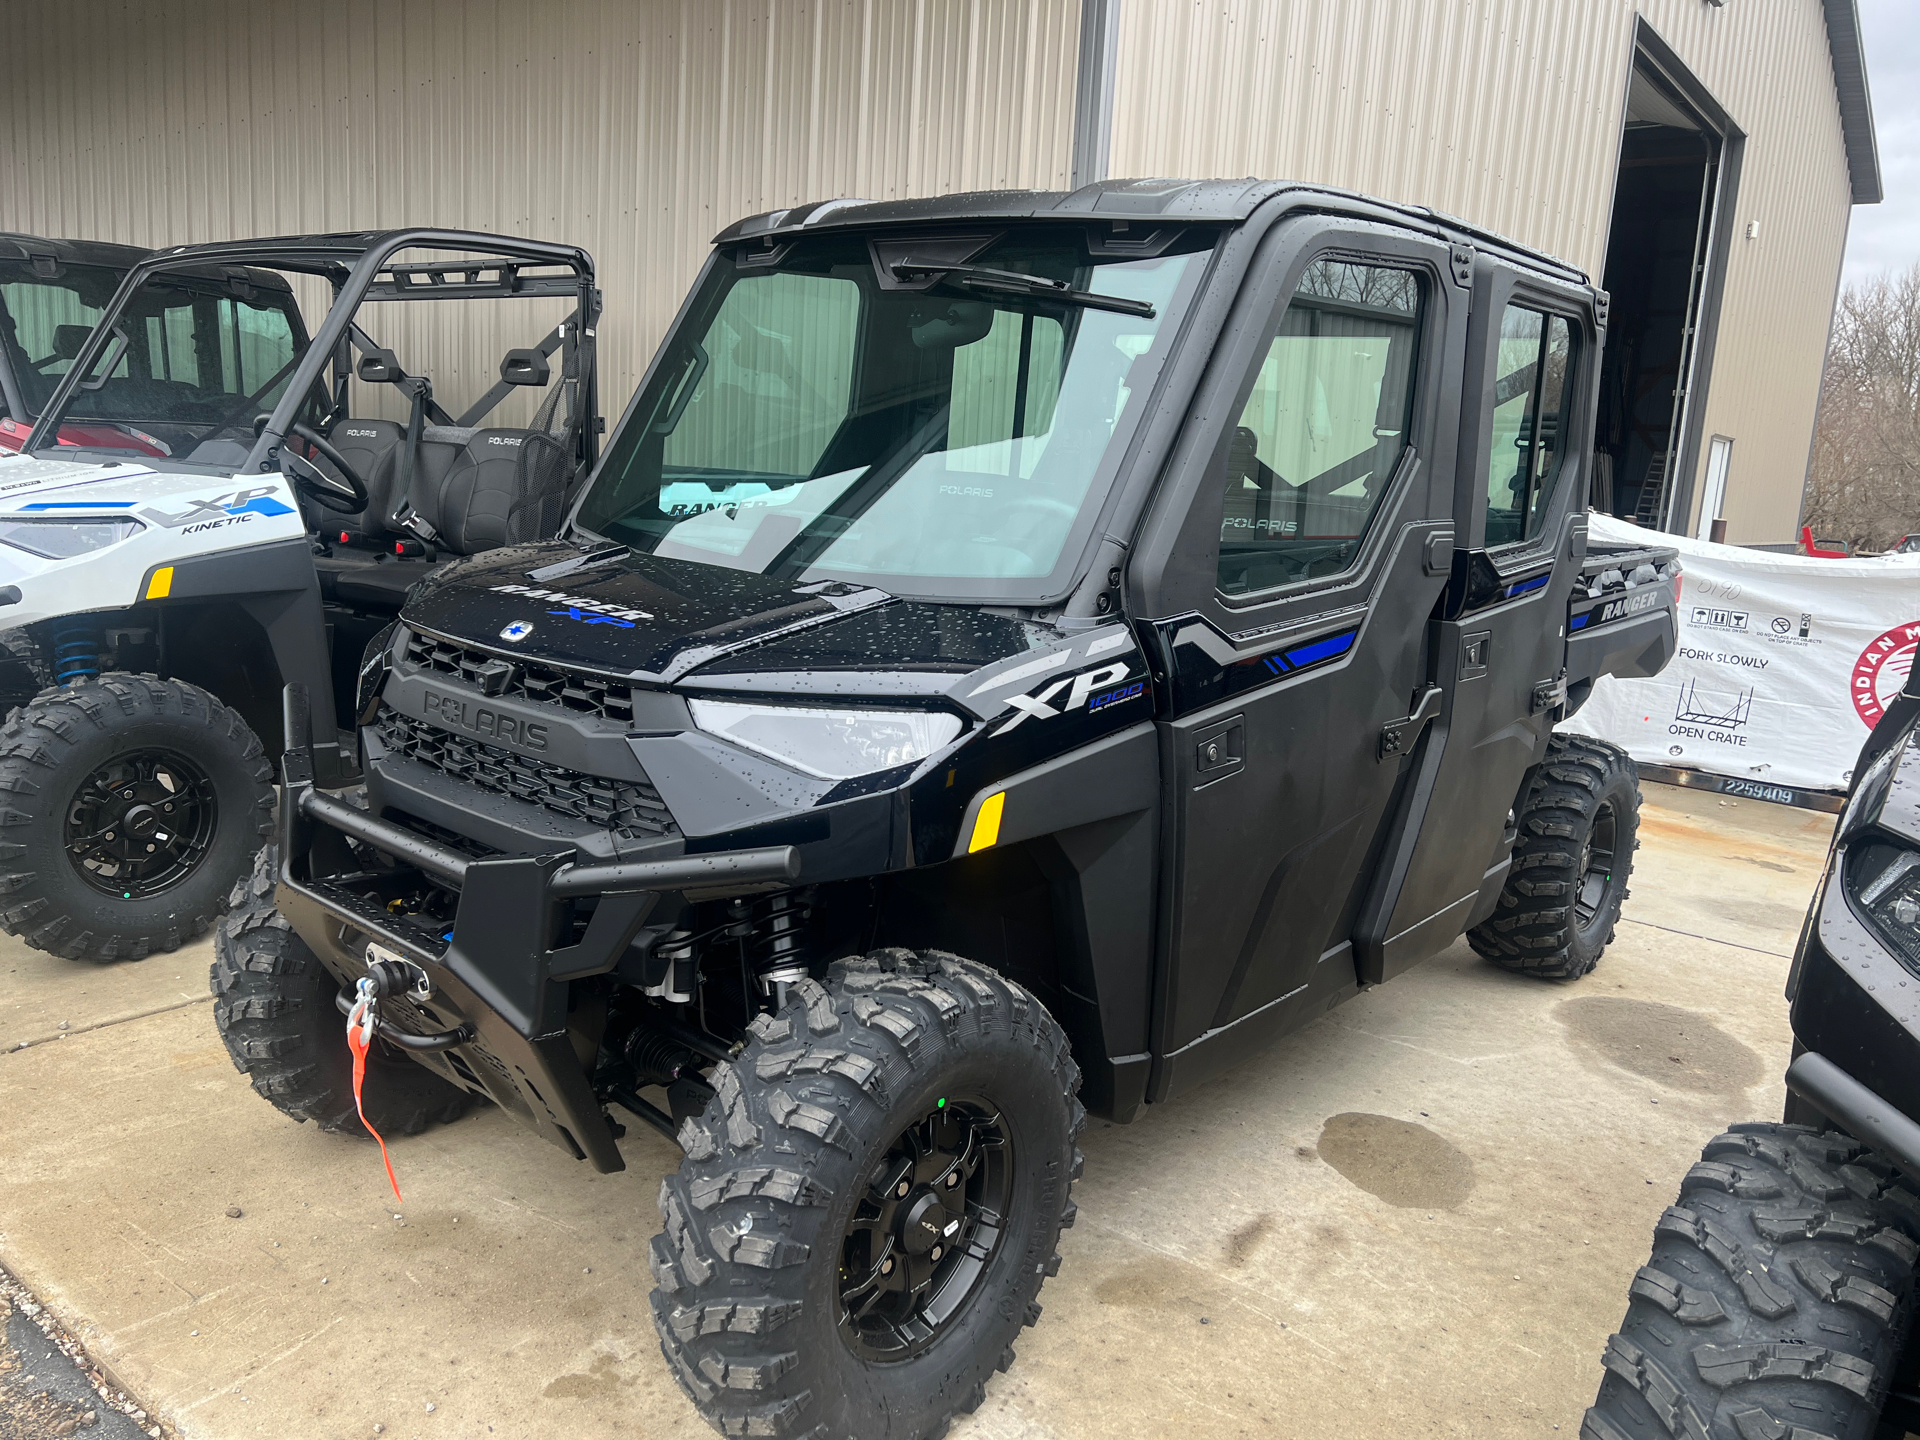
pixel 76 654
pixel 778 944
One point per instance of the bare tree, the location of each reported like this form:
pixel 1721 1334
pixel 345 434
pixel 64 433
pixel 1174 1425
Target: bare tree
pixel 1864 486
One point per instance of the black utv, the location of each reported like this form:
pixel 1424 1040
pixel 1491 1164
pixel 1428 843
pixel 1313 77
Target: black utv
pixel 1019 652
pixel 1778 1300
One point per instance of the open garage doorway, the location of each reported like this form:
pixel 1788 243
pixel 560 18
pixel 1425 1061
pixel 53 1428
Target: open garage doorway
pixel 1662 271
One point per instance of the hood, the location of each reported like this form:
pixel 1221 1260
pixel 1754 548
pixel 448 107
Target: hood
pixel 38 482
pixel 658 620
pixel 26 478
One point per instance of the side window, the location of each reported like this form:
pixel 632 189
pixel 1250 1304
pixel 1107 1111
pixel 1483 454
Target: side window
pixel 255 342
pixel 48 325
pixel 1531 392
pixel 1323 429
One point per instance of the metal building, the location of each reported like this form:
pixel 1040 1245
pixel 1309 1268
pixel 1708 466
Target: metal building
pixel 1698 157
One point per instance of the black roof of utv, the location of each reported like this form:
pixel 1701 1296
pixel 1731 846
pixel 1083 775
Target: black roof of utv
pixel 1218 201
pixel 339 250
pixel 16 246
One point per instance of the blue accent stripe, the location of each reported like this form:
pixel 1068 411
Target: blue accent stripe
pixel 1523 587
pixel 1321 649
pixel 1275 664
pixel 1579 622
pixel 79 505
pixel 261 505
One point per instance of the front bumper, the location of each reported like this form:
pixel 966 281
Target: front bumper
pixel 1856 1013
pixel 504 965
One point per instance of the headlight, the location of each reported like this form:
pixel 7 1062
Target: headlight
pixel 1887 884
pixel 64 539
pixel 832 744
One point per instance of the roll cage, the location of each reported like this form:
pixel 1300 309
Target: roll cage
pixel 360 267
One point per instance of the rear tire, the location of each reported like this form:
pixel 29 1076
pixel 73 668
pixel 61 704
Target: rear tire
pixel 801 1293
pixel 274 1006
pixel 1579 827
pixel 56 753
pixel 1776 1300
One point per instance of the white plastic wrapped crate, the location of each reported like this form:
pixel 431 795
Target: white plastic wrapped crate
pixel 1783 666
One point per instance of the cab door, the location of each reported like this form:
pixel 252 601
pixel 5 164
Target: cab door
pixel 1294 559
pixel 1500 647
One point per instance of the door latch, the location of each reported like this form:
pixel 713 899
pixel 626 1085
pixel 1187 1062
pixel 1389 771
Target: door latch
pixel 1397 737
pixel 1220 747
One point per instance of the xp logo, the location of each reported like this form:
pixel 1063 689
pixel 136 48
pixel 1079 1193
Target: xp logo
pixel 587 617
pixel 221 509
pixel 518 630
pixel 1077 688
pixel 1881 670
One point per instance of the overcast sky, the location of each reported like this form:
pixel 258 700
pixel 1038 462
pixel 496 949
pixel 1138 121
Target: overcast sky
pixel 1887 236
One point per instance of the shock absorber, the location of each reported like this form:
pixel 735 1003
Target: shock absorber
pixel 778 945
pixel 678 949
pixel 76 654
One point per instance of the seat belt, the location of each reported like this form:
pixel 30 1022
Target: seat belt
pixel 401 514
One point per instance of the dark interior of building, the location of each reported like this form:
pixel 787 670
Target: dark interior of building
pixel 1656 256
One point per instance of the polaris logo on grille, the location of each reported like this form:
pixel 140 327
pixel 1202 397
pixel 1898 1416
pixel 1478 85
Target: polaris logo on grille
pixel 477 719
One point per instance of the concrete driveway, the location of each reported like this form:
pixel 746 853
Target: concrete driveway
pixel 1416 1218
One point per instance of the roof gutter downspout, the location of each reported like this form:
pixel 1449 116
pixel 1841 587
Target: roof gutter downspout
pixel 1093 93
pixel 1856 103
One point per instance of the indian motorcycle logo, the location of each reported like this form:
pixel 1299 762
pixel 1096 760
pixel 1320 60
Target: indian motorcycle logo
pixel 1881 670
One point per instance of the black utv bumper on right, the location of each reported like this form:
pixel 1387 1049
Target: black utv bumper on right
pixel 1855 988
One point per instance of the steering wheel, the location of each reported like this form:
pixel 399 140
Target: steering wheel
pixel 316 484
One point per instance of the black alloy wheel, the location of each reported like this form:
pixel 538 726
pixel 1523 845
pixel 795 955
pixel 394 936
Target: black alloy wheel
pixel 925 1230
pixel 1596 868
pixel 141 823
pixel 869 1202
pixel 129 805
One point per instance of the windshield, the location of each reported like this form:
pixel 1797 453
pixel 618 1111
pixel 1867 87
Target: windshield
pixel 193 360
pixel 43 321
pixel 822 416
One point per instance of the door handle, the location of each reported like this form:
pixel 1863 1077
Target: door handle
pixel 1398 736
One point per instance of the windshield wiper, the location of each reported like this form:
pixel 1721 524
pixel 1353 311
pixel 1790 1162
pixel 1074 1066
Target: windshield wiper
pixel 980 277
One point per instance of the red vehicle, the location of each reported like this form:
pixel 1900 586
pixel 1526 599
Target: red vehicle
pixel 1821 549
pixel 51 295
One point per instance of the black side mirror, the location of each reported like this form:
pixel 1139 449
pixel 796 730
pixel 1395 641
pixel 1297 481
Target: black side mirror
pixel 380 367
pixel 525 367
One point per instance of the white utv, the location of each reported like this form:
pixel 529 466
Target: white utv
pixel 152 605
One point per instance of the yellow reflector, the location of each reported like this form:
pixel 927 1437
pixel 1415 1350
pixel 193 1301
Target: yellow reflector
pixel 161 585
pixel 986 825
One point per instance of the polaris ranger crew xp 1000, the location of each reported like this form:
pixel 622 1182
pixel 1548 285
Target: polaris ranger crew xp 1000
pixel 1019 651
pixel 154 602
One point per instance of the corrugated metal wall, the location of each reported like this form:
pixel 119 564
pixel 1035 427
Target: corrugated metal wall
pixel 634 129
pixel 1508 112
pixel 639 129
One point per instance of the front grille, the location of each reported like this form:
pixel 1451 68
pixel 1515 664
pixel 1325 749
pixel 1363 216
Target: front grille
pixel 631 809
pixel 524 679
